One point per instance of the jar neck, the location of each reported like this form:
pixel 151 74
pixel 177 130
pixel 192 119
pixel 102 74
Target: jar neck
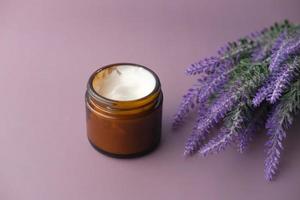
pixel 115 110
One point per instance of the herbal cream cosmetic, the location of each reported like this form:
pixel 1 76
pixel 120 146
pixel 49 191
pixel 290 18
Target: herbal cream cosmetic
pixel 124 110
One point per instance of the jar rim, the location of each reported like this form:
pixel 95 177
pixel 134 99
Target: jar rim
pixel 101 99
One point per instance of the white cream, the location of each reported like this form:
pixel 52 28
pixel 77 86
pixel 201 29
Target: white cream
pixel 124 82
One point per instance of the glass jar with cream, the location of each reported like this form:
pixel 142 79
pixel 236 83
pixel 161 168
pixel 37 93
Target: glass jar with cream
pixel 124 110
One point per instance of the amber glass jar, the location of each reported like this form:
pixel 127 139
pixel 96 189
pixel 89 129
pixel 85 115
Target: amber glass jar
pixel 123 128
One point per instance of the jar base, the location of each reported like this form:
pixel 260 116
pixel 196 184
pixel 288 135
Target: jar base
pixel 126 156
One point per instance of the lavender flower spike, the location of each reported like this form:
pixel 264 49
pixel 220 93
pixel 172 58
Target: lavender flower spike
pixel 259 53
pixel 262 66
pixel 193 143
pixel 279 120
pixel 294 45
pixel 222 140
pixel 188 102
pixel 277 51
pixel 217 144
pixel 274 145
pixel 260 95
pixel 286 49
pixel 277 82
pixel 246 136
pixel 215 82
pixel 229 133
pixel 282 83
pixel 283 79
pixel 207 65
pixel 206 120
pixel 195 140
pixel 218 110
pixel 248 133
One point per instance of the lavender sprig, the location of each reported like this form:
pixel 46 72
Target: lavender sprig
pixel 274 145
pixel 211 117
pixel 208 65
pixel 196 139
pixel 267 88
pixel 235 123
pixel 287 47
pixel 255 122
pixel 278 46
pixel 284 79
pixel 261 66
pixel 245 137
pixel 188 103
pixel 280 119
pixel 261 94
pixel 216 82
pixel 261 51
pixel 266 39
pixel 277 82
pixel 219 143
pixel 218 110
pixel 252 75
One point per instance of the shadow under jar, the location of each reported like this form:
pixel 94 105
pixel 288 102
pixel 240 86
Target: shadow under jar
pixel 124 110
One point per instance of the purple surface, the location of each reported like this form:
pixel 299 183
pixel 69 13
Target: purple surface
pixel 48 49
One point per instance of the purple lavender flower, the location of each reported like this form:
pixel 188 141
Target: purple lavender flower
pixel 273 153
pixel 247 134
pixel 274 145
pixel 279 120
pixel 213 86
pixel 208 118
pixel 261 63
pixel 278 80
pixel 279 41
pixel 199 95
pixel 261 95
pixel 266 89
pixel 193 143
pixel 188 102
pixel 218 110
pixel 224 50
pixel 245 137
pixel 276 52
pixel 219 143
pixel 286 49
pixel 256 35
pixel 283 80
pixel 195 140
pixel 215 82
pixel 293 46
pixel 228 133
pixel 207 65
pixel 260 52
pixel 236 49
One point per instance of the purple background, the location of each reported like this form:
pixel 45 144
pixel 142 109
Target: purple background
pixel 48 49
